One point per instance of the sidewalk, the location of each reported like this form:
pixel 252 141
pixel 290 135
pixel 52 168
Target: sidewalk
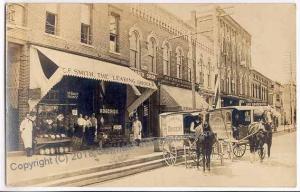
pixel 22 168
pixel 287 128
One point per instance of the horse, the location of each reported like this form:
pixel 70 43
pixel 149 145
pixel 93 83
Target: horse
pixel 260 133
pixel 204 146
pixel 268 125
pixel 256 139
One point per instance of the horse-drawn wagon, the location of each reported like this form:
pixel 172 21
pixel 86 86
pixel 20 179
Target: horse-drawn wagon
pixel 233 126
pixel 176 136
pixel 244 124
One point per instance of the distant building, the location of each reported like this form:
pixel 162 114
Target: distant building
pixel 260 87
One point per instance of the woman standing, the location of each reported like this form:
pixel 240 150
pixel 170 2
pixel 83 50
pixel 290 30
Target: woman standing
pixel 137 130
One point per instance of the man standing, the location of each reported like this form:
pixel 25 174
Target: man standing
pixel 137 130
pixel 26 128
pixel 93 128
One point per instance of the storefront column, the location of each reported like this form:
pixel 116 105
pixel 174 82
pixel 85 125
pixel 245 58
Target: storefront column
pixel 24 82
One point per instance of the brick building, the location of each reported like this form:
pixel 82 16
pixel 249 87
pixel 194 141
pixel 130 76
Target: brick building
pixel 232 48
pixel 260 88
pixel 114 60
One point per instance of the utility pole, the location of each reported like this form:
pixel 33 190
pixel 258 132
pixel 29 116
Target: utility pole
pixel 291 89
pixel 216 53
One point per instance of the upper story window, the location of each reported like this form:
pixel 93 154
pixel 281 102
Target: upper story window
pixel 201 69
pixel 166 59
pixel 51 20
pixel 209 73
pixel 179 62
pixel 134 42
pixel 114 32
pixel 15 14
pixel 85 19
pixel 189 74
pixel 152 47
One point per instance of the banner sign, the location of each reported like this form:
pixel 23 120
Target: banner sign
pixel 109 111
pixel 72 95
pixel 107 77
pixel 171 125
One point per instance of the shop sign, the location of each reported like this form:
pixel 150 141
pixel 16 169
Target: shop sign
pixel 256 103
pixel 109 111
pixel 171 125
pixel 72 95
pixel 35 93
pixel 117 127
pixel 106 76
pixel 175 82
pixel 74 112
pixel 145 74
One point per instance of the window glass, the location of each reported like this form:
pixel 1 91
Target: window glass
pixel 50 23
pixel 114 32
pixel 85 30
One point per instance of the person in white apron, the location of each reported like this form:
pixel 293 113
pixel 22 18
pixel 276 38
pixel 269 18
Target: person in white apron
pixel 26 128
pixel 137 130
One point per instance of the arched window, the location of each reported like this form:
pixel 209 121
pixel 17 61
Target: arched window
pixel 209 73
pixel 223 84
pixel 179 62
pixel 152 47
pixel 228 82
pixel 233 79
pixel 245 84
pixel 166 59
pixel 201 74
pixel 190 63
pixel 241 84
pixel 134 42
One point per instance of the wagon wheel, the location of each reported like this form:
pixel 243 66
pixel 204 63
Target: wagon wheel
pixel 192 154
pixel 220 151
pixel 169 152
pixel 239 150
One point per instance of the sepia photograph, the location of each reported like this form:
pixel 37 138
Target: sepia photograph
pixel 193 95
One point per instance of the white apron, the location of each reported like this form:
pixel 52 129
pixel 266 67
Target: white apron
pixel 137 130
pixel 26 133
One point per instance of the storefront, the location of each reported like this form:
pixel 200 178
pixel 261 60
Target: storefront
pixel 231 101
pixel 179 99
pixel 67 85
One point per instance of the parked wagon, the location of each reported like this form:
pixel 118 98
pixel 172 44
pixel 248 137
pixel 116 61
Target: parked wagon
pixel 176 137
pixel 239 119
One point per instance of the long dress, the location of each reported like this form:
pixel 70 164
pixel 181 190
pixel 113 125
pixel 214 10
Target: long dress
pixel 137 130
pixel 26 132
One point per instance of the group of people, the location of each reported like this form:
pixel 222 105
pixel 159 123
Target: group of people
pixel 86 129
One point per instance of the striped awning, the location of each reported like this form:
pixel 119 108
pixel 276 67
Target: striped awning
pixel 179 98
pixel 48 66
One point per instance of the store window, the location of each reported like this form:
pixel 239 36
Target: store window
pixel 135 49
pixel 86 36
pixel 179 62
pixel 166 59
pixel 114 32
pixel 152 54
pixel 50 27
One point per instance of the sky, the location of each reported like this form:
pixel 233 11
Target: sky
pixel 273 31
